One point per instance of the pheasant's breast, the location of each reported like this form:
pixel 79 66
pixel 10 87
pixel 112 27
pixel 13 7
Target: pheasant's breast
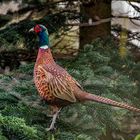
pixel 42 85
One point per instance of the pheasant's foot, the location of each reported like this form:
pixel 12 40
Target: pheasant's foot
pixel 52 127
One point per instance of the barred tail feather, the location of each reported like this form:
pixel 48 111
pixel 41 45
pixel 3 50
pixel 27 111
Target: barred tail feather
pixel 91 97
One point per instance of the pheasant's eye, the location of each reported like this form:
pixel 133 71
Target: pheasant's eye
pixel 37 29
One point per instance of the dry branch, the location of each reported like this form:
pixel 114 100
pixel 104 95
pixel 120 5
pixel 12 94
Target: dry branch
pixel 92 24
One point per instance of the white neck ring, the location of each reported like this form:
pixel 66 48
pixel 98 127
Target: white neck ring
pixel 44 47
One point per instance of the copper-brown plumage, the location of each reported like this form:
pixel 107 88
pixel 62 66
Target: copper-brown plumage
pixel 58 87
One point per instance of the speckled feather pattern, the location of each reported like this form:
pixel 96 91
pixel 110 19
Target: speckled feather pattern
pixel 53 82
pixel 58 88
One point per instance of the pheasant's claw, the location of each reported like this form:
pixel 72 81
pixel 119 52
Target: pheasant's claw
pixel 53 121
pixel 51 129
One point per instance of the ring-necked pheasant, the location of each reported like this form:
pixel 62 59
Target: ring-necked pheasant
pixel 56 85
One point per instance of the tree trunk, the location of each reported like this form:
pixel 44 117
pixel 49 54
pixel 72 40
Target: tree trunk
pixel 95 11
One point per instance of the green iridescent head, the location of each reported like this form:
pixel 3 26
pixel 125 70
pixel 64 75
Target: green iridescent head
pixel 43 35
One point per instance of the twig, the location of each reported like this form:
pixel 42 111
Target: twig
pixel 127 17
pixel 92 24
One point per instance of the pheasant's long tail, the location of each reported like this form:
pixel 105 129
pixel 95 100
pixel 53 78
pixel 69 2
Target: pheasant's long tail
pixel 92 97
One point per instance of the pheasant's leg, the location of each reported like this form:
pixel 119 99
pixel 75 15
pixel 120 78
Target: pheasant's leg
pixel 54 120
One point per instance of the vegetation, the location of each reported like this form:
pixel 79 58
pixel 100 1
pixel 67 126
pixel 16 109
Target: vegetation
pixel 99 69
pixel 103 67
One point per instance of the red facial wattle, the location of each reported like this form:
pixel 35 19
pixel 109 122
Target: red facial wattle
pixel 37 29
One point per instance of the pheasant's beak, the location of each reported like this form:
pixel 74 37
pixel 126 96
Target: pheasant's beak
pixel 31 30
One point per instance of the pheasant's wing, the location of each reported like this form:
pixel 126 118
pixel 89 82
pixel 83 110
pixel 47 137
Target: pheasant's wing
pixel 59 85
pixel 69 76
pixel 77 84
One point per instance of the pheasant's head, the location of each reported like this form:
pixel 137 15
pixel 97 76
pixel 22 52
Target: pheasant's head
pixel 43 35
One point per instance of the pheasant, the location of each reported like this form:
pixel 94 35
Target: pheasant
pixel 56 86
